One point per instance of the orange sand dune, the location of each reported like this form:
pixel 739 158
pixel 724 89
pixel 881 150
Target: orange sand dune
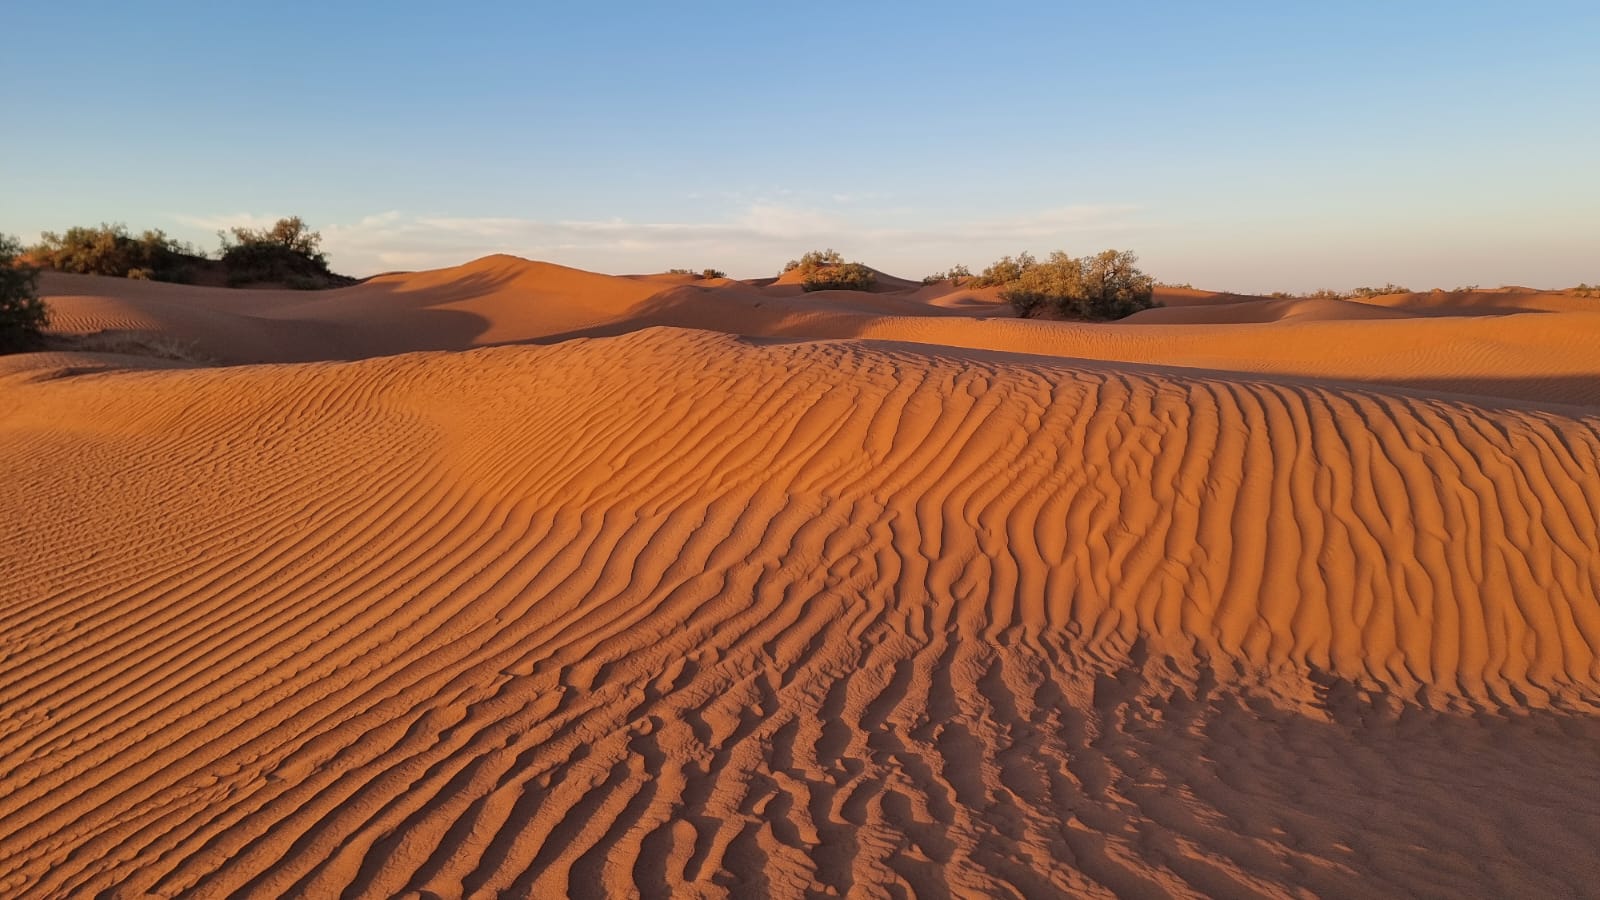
pixel 681 612
pixel 1508 344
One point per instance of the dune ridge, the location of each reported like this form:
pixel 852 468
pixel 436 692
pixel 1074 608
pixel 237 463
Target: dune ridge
pixel 1518 345
pixel 679 611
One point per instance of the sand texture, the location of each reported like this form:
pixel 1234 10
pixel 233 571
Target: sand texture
pixel 712 588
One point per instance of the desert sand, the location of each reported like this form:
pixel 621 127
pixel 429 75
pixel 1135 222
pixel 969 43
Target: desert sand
pixel 511 579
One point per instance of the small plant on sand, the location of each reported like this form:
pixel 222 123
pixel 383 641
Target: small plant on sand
pixel 826 270
pixel 703 273
pixel 113 250
pixel 1105 286
pixel 1587 290
pixel 22 313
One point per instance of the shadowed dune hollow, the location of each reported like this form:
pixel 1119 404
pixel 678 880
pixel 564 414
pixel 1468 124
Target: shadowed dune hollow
pixel 513 580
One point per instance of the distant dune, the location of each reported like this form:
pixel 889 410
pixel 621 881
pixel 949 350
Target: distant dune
pixel 702 588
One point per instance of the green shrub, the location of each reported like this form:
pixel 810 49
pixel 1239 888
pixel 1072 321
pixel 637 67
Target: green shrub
pixel 713 273
pixel 816 259
pixel 826 270
pixel 288 252
pixel 1587 290
pixel 1105 286
pixel 22 313
pixel 113 250
pixel 1004 271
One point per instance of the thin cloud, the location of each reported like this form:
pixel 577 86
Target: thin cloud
pixel 753 240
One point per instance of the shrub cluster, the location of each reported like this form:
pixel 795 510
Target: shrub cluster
pixel 955 273
pixel 1105 286
pixel 288 252
pixel 1366 293
pixel 113 250
pixel 1005 270
pixel 703 273
pixel 826 270
pixel 1587 290
pixel 22 313
pixel 1360 293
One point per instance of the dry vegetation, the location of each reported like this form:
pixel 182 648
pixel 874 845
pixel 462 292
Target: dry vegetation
pixel 22 313
pixel 1108 285
pixel 286 254
pixel 827 270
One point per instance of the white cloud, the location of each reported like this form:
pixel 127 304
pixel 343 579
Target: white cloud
pixel 754 241
pixel 226 222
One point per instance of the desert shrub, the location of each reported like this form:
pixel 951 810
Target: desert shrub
pixel 816 259
pixel 826 270
pixel 954 273
pixel 113 250
pixel 288 252
pixel 1027 303
pixel 22 313
pixel 1175 285
pixel 1004 271
pixel 1112 287
pixel 713 273
pixel 1587 290
pixel 1105 286
pixel 1367 293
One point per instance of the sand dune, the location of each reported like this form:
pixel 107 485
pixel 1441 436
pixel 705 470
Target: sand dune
pixel 1524 345
pixel 670 610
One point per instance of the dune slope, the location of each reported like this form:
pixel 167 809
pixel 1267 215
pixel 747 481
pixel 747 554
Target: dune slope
pixel 681 612
pixel 1525 346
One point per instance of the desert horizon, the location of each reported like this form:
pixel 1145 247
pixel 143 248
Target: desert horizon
pixel 1072 450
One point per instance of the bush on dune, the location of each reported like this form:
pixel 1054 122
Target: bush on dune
pixel 113 250
pixel 954 274
pixel 1367 293
pixel 1360 293
pixel 826 270
pixel 702 274
pixel 1108 285
pixel 1004 271
pixel 22 313
pixel 287 253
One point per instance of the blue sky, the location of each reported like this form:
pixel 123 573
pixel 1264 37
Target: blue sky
pixel 1243 146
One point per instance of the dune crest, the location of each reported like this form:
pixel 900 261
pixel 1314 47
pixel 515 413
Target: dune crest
pixel 1517 345
pixel 677 611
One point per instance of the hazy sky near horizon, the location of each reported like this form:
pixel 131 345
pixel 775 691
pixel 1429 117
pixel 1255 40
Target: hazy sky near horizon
pixel 1243 146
